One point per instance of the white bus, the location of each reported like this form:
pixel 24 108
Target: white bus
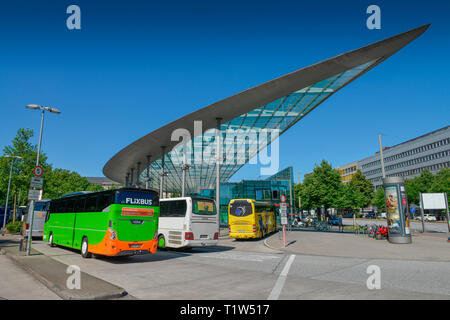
pixel 187 222
pixel 40 211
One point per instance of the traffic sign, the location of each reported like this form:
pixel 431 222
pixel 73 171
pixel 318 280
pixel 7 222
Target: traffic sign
pixel 283 209
pixel 38 171
pixel 35 195
pixel 283 220
pixel 283 198
pixel 36 182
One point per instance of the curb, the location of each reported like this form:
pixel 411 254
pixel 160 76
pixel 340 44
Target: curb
pixel 273 248
pixel 62 292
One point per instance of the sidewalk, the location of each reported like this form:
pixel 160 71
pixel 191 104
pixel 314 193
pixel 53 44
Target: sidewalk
pixel 53 274
pixel 428 247
pixel 19 285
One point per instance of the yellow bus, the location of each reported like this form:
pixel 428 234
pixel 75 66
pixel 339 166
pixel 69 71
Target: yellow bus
pixel 248 218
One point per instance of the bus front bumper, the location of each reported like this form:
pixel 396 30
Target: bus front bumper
pixel 116 247
pixel 201 243
pixel 243 235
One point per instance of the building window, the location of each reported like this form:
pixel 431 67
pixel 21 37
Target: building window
pixel 275 194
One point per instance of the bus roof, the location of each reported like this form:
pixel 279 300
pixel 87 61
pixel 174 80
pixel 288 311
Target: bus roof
pixel 253 201
pixel 78 193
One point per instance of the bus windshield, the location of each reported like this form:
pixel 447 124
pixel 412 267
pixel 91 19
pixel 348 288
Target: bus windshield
pixel 241 208
pixel 204 207
pixel 137 198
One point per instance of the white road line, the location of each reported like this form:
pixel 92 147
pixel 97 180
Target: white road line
pixel 281 279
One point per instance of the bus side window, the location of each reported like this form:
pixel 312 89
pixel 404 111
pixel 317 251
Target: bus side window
pixel 79 204
pixel 63 206
pixel 70 205
pixel 163 209
pixel 104 200
pixel 180 208
pixel 38 206
pixel 91 204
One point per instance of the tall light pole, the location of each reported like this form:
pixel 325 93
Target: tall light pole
pixel 31 209
pixel 381 157
pixel 7 193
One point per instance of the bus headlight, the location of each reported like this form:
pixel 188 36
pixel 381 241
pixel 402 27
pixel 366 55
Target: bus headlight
pixel 113 235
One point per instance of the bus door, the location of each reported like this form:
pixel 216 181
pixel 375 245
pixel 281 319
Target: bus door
pixel 204 222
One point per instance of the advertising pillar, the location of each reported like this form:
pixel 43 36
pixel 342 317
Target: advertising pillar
pixel 397 210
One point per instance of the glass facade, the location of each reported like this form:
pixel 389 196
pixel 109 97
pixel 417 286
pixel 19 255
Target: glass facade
pixel 279 115
pixel 268 190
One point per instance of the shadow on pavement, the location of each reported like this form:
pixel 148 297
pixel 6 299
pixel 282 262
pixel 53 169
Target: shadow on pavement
pixel 161 255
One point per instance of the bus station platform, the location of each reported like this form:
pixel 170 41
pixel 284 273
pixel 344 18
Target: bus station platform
pixel 54 274
pixel 426 246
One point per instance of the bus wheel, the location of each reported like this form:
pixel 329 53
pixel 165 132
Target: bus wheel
pixel 161 242
pixel 50 240
pixel 84 248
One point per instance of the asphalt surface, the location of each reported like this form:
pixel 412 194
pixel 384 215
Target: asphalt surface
pixel 251 270
pixel 315 265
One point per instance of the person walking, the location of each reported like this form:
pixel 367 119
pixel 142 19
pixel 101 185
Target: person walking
pixel 341 224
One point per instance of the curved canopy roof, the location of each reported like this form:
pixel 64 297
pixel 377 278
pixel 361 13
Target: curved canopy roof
pixel 276 104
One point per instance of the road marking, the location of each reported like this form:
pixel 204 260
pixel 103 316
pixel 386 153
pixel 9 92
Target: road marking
pixel 246 256
pixel 281 279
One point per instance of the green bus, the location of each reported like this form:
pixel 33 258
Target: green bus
pixel 115 222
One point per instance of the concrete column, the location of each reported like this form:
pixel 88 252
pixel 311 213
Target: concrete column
pixel 219 159
pixel 161 181
pixel 147 181
pixel 138 171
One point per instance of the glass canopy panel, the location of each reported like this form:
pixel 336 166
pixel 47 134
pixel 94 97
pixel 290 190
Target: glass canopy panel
pixel 279 114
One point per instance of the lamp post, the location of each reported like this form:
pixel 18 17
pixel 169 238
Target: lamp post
pixel 31 209
pixel 7 193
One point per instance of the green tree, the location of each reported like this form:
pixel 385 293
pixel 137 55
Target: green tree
pixel 419 184
pixel 56 181
pixel 23 168
pixel 362 189
pixel 378 199
pixel 322 188
pixel 61 181
pixel 441 182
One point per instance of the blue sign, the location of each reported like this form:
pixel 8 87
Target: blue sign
pixel 412 209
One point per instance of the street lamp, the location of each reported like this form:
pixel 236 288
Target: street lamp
pixel 31 209
pixel 7 193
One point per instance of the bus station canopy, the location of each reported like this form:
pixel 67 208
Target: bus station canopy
pixel 276 104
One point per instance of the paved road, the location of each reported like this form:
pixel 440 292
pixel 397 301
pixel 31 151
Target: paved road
pixel 250 270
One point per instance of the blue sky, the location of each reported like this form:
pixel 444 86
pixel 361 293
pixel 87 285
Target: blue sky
pixel 137 65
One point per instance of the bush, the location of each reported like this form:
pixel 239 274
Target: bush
pixel 14 227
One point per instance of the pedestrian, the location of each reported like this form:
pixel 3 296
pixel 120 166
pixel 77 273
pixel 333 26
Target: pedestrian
pixel 341 224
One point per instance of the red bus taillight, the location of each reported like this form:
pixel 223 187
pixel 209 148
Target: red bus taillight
pixel 28 226
pixel 189 236
pixel 216 236
pixel 254 228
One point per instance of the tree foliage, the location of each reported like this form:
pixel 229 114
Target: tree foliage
pixel 322 188
pixel 56 181
pixel 378 199
pixel 426 182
